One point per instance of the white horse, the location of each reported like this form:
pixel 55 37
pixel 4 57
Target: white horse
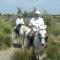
pixel 40 41
pixel 24 31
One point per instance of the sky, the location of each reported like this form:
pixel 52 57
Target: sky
pixel 10 6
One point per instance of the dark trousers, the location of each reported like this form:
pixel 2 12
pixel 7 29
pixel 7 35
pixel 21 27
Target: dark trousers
pixel 17 29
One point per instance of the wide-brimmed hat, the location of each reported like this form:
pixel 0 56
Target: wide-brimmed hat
pixel 37 12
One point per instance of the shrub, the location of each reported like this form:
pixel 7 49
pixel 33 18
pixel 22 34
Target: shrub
pixel 48 20
pixel 7 30
pixel 26 20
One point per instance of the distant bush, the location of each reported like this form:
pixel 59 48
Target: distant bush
pixel 48 20
pixel 26 20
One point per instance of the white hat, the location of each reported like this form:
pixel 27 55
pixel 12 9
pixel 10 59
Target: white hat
pixel 37 12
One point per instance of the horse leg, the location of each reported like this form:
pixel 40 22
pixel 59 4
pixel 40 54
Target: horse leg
pixel 17 39
pixel 22 41
pixel 37 55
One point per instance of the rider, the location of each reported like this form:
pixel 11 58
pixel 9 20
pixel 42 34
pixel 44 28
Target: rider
pixel 36 22
pixel 19 22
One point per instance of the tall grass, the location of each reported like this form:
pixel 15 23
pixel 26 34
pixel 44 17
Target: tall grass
pixel 24 54
pixel 7 40
pixel 5 32
pixel 55 30
pixel 53 49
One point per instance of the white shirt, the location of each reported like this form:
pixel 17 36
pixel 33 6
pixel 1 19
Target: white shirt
pixel 19 21
pixel 36 22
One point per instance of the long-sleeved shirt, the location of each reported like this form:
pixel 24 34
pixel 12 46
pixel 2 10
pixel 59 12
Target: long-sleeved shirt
pixel 36 22
pixel 19 21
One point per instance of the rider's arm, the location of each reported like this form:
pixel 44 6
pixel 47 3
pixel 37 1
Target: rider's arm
pixel 42 22
pixel 22 22
pixel 31 25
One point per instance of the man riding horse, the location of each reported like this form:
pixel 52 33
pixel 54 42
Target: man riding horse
pixel 35 23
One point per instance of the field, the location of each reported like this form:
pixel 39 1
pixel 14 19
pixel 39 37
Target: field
pixel 7 24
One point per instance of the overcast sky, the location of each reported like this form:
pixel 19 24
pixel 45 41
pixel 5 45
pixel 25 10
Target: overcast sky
pixel 9 6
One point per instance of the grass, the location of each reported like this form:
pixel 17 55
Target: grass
pixel 55 30
pixel 8 40
pixel 5 32
pixel 53 49
pixel 24 54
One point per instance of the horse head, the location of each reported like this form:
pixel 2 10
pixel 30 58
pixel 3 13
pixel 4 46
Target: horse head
pixel 42 34
pixel 40 37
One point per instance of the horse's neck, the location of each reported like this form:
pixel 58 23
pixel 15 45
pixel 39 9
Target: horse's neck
pixel 25 28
